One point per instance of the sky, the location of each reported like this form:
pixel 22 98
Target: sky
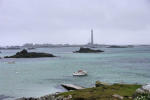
pixel 70 21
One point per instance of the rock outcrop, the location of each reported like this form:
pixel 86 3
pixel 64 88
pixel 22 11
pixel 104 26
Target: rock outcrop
pixel 142 93
pixel 118 96
pixel 144 89
pixel 72 87
pixel 88 50
pixel 99 84
pixel 25 54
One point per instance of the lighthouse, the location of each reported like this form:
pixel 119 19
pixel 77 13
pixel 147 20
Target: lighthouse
pixel 92 41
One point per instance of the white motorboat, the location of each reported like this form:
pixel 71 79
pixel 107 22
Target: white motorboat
pixel 80 73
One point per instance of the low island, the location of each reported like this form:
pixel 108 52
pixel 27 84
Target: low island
pixel 88 50
pixel 117 46
pixel 25 54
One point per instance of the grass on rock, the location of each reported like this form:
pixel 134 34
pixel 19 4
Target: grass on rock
pixel 103 92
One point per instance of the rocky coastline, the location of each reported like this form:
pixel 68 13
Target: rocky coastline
pixel 102 91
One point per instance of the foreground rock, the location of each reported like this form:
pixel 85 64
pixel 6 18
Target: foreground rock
pixel 142 93
pixel 99 84
pixel 144 89
pixel 25 54
pixel 71 87
pixel 103 92
pixel 88 50
pixel 118 96
pixel 48 97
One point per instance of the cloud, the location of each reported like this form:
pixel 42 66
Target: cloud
pixel 52 21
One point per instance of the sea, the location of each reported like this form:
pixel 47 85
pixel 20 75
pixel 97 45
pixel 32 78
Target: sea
pixel 34 77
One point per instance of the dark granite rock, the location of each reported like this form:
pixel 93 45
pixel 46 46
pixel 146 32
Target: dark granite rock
pixel 25 54
pixel 88 50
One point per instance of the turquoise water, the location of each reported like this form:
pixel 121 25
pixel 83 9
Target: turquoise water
pixel 41 76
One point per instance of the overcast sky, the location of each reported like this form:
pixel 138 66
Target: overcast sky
pixel 70 21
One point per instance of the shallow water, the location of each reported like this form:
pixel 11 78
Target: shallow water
pixel 41 76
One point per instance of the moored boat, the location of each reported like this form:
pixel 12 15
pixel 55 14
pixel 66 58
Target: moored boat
pixel 80 73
